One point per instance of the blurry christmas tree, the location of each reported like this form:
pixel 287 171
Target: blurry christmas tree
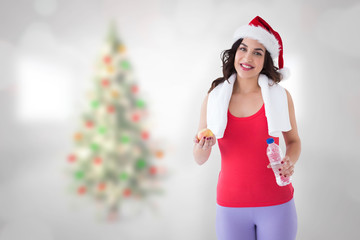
pixel 114 159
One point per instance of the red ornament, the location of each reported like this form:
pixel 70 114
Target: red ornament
pixel 127 192
pixel 71 158
pixel 135 89
pixel 159 154
pixel 81 190
pixel 145 135
pixel 107 59
pixel 105 82
pixel 97 161
pixel 110 109
pixel 135 117
pixel 153 170
pixel 89 124
pixel 101 186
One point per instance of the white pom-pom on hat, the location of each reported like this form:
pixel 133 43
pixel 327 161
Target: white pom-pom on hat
pixel 285 72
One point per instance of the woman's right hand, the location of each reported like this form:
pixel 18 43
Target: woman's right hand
pixel 205 143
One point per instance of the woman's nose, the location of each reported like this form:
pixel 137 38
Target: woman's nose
pixel 248 57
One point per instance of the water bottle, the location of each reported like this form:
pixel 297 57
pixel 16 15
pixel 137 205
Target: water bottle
pixel 275 156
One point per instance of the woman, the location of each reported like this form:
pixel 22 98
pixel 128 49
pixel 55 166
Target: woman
pixel 239 109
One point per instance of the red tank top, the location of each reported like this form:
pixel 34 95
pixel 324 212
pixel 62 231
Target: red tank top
pixel 244 179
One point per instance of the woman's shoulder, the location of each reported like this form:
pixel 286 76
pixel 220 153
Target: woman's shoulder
pixel 289 98
pixel 205 101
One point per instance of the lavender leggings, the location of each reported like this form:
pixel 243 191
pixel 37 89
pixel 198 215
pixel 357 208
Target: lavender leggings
pixel 277 222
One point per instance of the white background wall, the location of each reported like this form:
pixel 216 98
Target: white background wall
pixel 47 52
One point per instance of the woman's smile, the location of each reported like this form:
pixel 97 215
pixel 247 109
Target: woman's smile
pixel 246 67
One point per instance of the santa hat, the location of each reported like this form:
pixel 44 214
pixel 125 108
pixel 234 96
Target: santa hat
pixel 261 31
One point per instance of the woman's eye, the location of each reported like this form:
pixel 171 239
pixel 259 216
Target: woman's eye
pixel 257 53
pixel 242 49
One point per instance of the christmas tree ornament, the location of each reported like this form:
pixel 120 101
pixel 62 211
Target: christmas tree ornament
pixel 94 146
pixel 105 49
pixel 110 109
pixel 135 117
pixel 95 104
pixel 81 190
pixel 109 145
pixel 101 186
pixel 78 136
pixel 71 158
pixel 127 192
pixel 122 49
pixel 110 69
pixel 125 65
pixel 140 103
pixel 125 139
pixel 141 164
pixel 115 94
pixel 134 89
pixel 107 59
pixel 84 153
pixel 102 111
pixel 102 130
pixel 124 176
pixel 97 161
pixel 105 82
pixel 159 154
pixel 79 174
pixel 89 124
pixel 153 170
pixel 145 135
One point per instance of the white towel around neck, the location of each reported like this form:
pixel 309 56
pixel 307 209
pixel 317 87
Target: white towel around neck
pixel 275 101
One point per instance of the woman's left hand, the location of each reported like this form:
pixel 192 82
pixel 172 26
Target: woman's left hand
pixel 287 167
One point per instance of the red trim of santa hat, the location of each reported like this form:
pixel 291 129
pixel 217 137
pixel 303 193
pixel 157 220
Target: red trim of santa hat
pixel 260 30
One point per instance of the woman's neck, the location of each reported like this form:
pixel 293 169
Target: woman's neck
pixel 246 85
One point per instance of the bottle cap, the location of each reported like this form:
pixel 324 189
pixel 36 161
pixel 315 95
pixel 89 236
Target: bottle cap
pixel 269 140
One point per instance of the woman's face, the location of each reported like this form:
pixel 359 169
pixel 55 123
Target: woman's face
pixel 249 58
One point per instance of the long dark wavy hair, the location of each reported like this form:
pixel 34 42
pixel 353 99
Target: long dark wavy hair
pixel 228 57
